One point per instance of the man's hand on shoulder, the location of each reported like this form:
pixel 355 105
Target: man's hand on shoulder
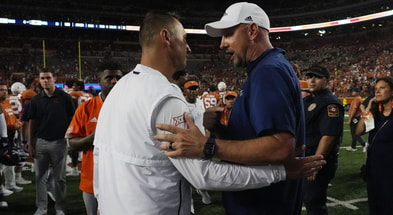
pixel 182 142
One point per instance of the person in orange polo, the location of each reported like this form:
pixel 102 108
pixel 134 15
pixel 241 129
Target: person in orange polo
pixel 81 131
pixel 354 114
pixel 229 100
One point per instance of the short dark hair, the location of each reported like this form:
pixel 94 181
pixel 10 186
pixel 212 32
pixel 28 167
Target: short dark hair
pixel 109 65
pixel 153 22
pixel 80 84
pixel 45 70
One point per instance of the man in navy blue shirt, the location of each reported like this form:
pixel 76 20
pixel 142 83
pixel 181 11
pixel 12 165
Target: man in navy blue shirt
pixel 266 125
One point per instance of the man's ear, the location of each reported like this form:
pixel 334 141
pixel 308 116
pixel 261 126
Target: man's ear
pixel 253 30
pixel 165 36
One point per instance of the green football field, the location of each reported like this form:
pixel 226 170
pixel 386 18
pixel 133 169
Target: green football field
pixel 346 195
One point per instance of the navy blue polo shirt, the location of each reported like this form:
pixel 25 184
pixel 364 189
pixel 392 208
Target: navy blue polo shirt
pixel 270 100
pixel 52 114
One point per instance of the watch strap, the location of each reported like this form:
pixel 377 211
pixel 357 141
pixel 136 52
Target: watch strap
pixel 210 148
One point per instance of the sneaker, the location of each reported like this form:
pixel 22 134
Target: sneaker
pixel 6 192
pixel 27 166
pixel 3 204
pixel 41 211
pixel 205 196
pixel 365 147
pixel 22 181
pixel 15 189
pixel 60 212
pixel 351 149
pixel 74 172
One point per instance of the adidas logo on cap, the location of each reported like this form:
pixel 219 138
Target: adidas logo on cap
pixel 248 18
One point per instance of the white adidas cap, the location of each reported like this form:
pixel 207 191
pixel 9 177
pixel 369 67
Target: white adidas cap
pixel 242 12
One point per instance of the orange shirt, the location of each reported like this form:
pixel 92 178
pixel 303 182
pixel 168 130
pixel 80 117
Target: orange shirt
pixel 10 118
pixel 84 123
pixel 303 85
pixel 354 108
pixel 28 94
pixel 211 99
pixel 225 116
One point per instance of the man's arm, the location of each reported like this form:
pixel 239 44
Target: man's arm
pixel 82 143
pixel 325 145
pixel 271 148
pixel 213 175
pixel 80 133
pixel 30 139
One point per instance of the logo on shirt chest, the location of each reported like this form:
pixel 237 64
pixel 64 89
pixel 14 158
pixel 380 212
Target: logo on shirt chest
pixel 177 120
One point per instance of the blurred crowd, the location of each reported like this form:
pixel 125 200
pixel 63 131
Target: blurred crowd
pixel 354 60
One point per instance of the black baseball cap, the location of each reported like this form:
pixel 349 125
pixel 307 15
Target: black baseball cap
pixel 319 71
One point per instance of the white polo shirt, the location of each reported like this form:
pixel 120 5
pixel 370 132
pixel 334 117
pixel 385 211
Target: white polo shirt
pixel 133 176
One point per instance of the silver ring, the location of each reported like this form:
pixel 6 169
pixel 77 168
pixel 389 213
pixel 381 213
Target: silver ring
pixel 170 146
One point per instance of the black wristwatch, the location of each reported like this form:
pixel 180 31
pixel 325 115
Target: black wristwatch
pixel 210 148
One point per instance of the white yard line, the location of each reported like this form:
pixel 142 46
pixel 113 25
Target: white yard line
pixel 348 204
